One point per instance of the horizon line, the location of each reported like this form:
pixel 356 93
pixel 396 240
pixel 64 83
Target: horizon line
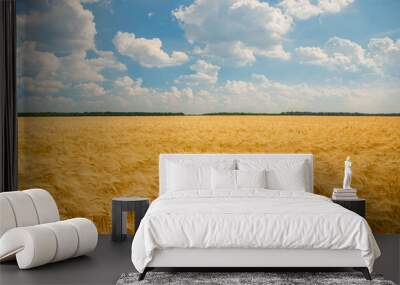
pixel 108 113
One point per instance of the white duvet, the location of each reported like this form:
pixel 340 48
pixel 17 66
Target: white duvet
pixel 250 219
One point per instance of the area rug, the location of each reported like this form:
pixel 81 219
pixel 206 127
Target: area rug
pixel 268 278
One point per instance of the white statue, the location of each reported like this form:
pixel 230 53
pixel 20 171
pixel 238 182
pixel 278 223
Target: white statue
pixel 347 173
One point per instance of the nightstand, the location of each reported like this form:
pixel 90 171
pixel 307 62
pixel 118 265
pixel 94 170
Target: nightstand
pixel 356 205
pixel 120 207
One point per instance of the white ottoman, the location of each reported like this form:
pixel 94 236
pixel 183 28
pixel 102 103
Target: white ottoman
pixel 31 232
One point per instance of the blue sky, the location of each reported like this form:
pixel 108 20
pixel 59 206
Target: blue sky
pixel 209 56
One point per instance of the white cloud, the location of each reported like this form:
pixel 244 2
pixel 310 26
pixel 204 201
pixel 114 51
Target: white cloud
pixel 305 9
pixel 32 62
pixel 46 103
pixel 238 87
pixel 89 1
pixel 263 95
pixel 90 89
pixel 127 86
pixel 235 30
pixel 275 51
pixel 312 55
pixel 385 53
pixel 65 71
pixel 257 94
pixel 337 53
pixel 78 68
pixel 53 54
pixel 75 67
pixel 260 94
pixel 40 86
pixel 384 45
pixel 62 26
pixel 204 72
pixel 147 52
pixel 106 59
pixel 186 92
pixel 227 53
pixel 382 55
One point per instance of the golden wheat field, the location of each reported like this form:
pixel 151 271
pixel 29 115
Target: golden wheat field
pixel 85 161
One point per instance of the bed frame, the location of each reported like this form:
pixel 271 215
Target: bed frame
pixel 242 259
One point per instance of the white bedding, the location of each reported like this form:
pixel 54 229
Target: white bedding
pixel 250 219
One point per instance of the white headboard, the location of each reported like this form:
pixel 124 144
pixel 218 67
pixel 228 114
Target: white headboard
pixel 308 158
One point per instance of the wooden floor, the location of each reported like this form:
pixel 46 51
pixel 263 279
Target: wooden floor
pixel 110 260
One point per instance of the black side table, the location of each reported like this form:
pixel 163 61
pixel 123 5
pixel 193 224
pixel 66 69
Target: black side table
pixel 120 207
pixel 356 205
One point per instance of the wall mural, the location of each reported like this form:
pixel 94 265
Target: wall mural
pixel 199 68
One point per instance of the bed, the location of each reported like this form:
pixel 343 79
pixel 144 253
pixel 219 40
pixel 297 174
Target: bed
pixel 245 211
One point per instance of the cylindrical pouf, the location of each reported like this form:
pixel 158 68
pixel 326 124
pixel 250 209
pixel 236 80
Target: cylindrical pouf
pixel 87 235
pixel 46 207
pixel 23 208
pixel 52 242
pixel 7 218
pixel 33 246
pixel 67 240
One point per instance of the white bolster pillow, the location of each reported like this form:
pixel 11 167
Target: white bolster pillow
pixel 7 217
pixel 40 244
pixel 87 235
pixel 32 246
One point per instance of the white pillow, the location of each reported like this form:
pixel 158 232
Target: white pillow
pixel 223 179
pixel 219 163
pixel 281 174
pixel 251 178
pixel 293 179
pixel 184 177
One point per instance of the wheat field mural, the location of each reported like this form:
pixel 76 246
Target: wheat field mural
pixel 85 161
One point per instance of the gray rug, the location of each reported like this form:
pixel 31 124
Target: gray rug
pixel 269 278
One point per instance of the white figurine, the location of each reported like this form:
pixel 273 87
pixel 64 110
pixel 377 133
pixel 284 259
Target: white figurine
pixel 347 173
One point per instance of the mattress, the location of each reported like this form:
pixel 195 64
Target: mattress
pixel 250 219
